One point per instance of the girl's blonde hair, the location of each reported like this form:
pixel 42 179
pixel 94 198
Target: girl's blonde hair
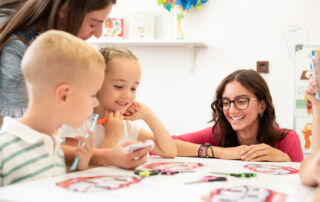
pixel 112 52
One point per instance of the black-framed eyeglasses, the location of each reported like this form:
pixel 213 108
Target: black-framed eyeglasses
pixel 240 103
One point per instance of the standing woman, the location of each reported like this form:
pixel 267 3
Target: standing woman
pixel 244 125
pixel 24 22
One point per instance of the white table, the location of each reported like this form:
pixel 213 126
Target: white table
pixel 161 187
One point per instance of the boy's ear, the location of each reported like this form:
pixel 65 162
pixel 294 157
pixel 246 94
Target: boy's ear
pixel 62 93
pixel 63 11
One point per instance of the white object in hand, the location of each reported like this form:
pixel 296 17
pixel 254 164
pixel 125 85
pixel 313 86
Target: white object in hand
pixel 135 147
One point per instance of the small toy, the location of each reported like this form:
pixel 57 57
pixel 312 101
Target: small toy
pixel 135 147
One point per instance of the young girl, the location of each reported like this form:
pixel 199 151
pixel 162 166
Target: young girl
pixel 244 125
pixel 117 103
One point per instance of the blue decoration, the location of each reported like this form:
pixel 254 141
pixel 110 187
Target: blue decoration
pixel 187 4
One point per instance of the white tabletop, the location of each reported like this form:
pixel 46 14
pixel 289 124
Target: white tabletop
pixel 162 187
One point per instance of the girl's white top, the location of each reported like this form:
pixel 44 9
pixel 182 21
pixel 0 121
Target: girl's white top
pixel 131 132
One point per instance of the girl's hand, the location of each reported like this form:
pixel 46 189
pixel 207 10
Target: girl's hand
pixel 114 126
pixel 136 111
pixel 126 159
pixel 310 92
pixel 113 130
pixel 263 152
pixel 84 151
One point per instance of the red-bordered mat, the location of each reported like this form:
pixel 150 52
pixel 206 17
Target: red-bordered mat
pixel 271 169
pixel 98 183
pixel 244 193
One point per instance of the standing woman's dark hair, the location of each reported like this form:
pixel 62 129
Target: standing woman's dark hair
pixel 46 12
pixel 7 7
pixel 25 19
pixel 254 82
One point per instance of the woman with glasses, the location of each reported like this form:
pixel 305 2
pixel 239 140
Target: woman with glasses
pixel 244 125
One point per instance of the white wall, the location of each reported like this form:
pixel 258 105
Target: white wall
pixel 238 33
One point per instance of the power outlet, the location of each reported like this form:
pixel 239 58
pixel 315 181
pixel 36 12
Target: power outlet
pixel 263 66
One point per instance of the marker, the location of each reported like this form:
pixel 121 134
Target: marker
pixel 241 175
pixel 313 68
pixel 102 121
pixel 76 161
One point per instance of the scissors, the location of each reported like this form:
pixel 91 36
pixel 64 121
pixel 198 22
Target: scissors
pixel 173 172
pixel 169 172
pixel 208 179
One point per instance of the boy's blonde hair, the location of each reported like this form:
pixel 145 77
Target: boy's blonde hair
pixel 55 57
pixel 110 53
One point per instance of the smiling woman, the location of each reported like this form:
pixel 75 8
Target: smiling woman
pixel 244 125
pixel 24 21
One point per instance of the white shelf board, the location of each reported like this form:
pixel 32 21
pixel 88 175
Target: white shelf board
pixel 191 45
pixel 148 43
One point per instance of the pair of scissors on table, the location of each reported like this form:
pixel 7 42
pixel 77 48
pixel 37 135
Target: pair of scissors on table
pixel 208 179
pixel 146 173
pixel 173 172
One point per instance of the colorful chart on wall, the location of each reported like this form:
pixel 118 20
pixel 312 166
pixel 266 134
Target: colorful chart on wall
pixel 303 107
pixel 244 193
pixel 176 166
pixel 142 25
pixel 304 130
pixel 113 28
pixel 98 183
pixel 271 169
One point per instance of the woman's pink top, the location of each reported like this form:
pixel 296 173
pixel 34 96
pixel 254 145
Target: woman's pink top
pixel 290 144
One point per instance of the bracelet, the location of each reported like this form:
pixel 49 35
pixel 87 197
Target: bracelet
pixel 200 150
pixel 211 151
pixel 208 145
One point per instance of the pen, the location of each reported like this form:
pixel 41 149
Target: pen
pixel 76 161
pixel 242 175
pixel 146 173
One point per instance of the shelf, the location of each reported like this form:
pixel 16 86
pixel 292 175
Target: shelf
pixel 191 45
pixel 148 43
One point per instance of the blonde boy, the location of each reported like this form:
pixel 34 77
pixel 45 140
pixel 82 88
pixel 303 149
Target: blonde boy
pixel 63 75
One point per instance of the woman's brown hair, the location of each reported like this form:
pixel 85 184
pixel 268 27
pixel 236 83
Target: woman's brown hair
pixel 253 81
pixel 23 14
